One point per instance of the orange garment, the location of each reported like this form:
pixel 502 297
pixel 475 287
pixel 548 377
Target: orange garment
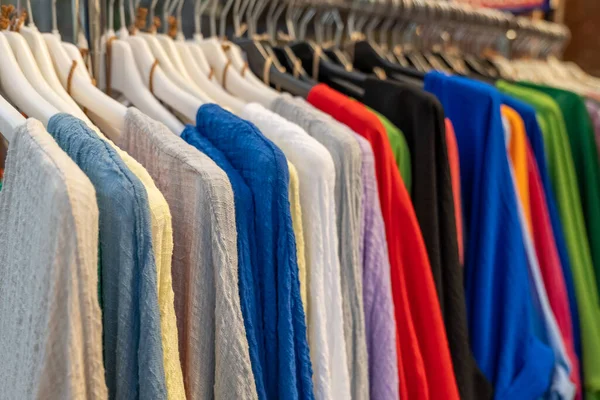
pixel 517 150
pixel 425 368
pixel 454 162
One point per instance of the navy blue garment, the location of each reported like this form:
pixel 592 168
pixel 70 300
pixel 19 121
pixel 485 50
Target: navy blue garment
pixel 501 313
pixel 247 254
pixel 133 355
pixel 287 370
pixel 536 140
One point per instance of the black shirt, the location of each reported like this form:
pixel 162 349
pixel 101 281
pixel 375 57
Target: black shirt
pixel 420 116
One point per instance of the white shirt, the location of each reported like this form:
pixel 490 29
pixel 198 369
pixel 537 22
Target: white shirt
pixel 316 174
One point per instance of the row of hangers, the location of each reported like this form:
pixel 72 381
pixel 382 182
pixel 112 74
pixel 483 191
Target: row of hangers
pixel 149 63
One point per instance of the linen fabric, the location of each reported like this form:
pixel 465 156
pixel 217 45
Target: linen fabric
pixel 247 254
pixel 564 184
pixel 287 370
pixel 515 361
pixel 204 264
pixel 425 367
pixel 548 330
pixel 348 191
pixel 133 354
pixel 296 211
pixel 420 116
pixel 162 246
pixel 380 322
pixel 316 171
pixel 51 342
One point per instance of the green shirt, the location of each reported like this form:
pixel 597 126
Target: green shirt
pixel 400 149
pixel 565 186
pixel 583 148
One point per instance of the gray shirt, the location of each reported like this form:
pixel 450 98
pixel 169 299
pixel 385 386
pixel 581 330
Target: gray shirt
pixel 51 341
pixel 212 339
pixel 346 155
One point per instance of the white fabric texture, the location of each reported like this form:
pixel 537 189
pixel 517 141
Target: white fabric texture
pixel 346 155
pixel 51 341
pixel 212 338
pixel 324 312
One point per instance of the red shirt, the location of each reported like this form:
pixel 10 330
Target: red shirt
pixel 454 162
pixel 424 364
pixel 547 253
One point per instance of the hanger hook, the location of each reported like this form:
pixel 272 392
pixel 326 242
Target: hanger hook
pixel 199 7
pixel 223 17
pixel 310 13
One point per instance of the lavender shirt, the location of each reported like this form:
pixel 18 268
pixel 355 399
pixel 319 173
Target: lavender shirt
pixel 380 322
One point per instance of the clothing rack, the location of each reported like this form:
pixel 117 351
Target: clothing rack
pixel 508 33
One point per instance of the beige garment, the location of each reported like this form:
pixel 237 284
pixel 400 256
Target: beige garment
pixel 162 246
pixel 51 340
pixel 296 211
pixel 212 339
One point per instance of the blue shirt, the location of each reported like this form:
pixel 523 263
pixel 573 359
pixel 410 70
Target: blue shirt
pixel 247 254
pixel 500 306
pixel 287 369
pixel 133 356
pixel 536 140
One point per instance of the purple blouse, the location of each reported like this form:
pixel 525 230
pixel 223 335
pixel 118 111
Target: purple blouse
pixel 380 323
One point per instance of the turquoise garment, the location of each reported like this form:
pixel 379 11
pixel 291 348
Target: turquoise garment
pixel 247 254
pixel 287 368
pixel 133 357
pixel 501 310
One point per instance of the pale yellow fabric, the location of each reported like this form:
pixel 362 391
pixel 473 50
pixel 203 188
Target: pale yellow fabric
pixel 296 211
pixel 162 243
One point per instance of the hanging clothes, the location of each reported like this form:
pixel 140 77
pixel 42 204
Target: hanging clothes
pixel 377 296
pixel 288 368
pixel 536 140
pixel 400 149
pixel 454 161
pixel 248 267
pixel 418 297
pixel 421 118
pixel 504 344
pixel 47 349
pixel 162 246
pixel 581 138
pixel 325 316
pixel 345 153
pixel 547 328
pixel 296 211
pixel 549 261
pixel 205 264
pixel 128 278
pixel 564 184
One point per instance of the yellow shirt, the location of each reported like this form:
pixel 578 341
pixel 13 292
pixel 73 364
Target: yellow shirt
pixel 517 151
pixel 296 212
pixel 162 244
